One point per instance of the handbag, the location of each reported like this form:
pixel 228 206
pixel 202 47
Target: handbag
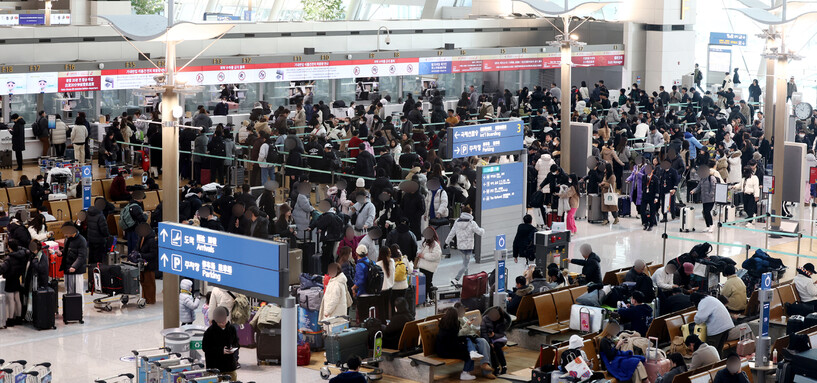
pixel 746 345
pixel 437 222
pixel 579 369
pixel 611 199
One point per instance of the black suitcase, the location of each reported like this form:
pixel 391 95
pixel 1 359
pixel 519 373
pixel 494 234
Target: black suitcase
pixel 5 159
pixel 811 320
pixel 480 303
pixel 268 346
pixel 795 324
pixel 625 206
pixel 72 308
pixel 311 259
pixel 44 306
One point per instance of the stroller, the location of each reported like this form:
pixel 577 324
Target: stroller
pixel 120 283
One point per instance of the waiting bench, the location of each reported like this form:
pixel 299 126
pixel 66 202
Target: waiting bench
pixel 553 310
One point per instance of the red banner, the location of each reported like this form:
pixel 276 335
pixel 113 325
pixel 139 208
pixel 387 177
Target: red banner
pixel 462 66
pixel 78 83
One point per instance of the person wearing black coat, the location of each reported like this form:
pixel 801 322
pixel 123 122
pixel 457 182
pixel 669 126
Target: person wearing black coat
pixel 523 241
pixel 18 139
pixel 74 258
pixel 365 163
pixel 39 192
pixel 238 223
pixel 591 267
pixel 155 141
pixel 404 238
pixel 149 252
pixel 259 224
pixel 413 206
pixel 18 232
pixel 12 270
pixel 218 343
pixel 649 200
pixel 393 330
pixel 38 267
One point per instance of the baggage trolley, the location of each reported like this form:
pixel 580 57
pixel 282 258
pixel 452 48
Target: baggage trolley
pixel 138 354
pixel 9 370
pixel 199 376
pixel 104 303
pixel 121 378
pixel 39 373
pixel 172 374
pixel 157 368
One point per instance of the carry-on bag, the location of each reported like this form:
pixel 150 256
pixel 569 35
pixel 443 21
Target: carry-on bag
pixel 343 345
pixel 657 363
pixel 474 285
pixel 268 346
pixel 746 344
pixel 688 219
pixel 72 308
pixel 304 354
pixel 625 206
pixel 594 213
pixel 246 335
pixel 44 305
pixel 419 282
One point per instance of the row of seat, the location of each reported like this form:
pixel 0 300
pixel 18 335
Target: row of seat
pixel 706 374
pixel 553 310
pixel 615 277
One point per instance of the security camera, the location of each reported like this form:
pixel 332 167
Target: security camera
pixel 388 40
pixel 160 79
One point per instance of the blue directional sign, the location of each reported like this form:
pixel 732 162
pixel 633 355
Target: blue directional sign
pixel 87 178
pixel 229 260
pixel 500 272
pixel 500 185
pixel 720 38
pixel 500 242
pixel 486 139
pixel 766 281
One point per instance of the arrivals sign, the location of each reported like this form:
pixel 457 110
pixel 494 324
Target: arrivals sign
pixel 229 260
pixel 486 139
pixel 500 185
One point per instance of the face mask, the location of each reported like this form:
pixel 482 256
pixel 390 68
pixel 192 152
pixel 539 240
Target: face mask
pixel 41 183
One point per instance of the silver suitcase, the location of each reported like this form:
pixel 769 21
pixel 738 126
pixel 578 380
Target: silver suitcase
pixel 594 214
pixel 688 219
pixel 581 212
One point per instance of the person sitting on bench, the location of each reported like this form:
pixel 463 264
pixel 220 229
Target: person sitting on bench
pixel 451 345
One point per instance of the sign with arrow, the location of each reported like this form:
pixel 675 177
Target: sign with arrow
pixel 87 179
pixel 236 262
pixel 499 187
pixel 486 139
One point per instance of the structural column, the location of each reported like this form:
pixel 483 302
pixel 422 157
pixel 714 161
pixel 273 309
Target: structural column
pixel 170 181
pixel 768 100
pixel 780 121
pixel 567 66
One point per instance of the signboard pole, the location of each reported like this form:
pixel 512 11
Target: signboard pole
pixel 764 341
pixel 87 179
pixel 289 341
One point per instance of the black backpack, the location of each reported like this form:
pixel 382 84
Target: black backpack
pixel 273 155
pixel 185 210
pixel 35 129
pixel 374 278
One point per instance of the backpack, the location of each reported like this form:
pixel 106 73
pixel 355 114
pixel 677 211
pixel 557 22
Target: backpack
pixel 35 129
pixel 374 278
pixel 125 219
pixel 400 270
pixel 185 210
pixel 241 308
pixel 273 155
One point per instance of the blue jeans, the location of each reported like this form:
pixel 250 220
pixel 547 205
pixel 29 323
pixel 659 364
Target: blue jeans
pixel 267 174
pixel 133 240
pixel 466 259
pixel 481 347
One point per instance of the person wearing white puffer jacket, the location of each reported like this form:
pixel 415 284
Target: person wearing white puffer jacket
pixel 188 303
pixel 464 229
pixel 735 168
pixel 336 299
pixel 543 167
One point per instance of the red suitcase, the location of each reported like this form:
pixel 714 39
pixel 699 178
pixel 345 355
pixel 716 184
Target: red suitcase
pixel 205 176
pixel 474 285
pixel 551 218
pixel 304 354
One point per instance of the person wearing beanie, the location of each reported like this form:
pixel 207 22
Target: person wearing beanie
pixel 574 350
pixel 188 302
pixel 806 287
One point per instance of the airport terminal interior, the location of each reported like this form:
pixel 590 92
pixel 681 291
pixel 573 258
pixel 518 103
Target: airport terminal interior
pixel 565 191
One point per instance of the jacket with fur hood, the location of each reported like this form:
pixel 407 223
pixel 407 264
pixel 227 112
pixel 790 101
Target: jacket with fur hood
pixel 188 304
pixel 464 229
pixel 336 299
pixel 735 168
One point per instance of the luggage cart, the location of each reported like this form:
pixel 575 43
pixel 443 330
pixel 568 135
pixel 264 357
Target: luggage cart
pixel 121 378
pixel 9 370
pixel 39 373
pixel 157 353
pixel 104 303
pixel 172 374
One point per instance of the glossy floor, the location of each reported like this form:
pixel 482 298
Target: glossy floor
pixel 101 346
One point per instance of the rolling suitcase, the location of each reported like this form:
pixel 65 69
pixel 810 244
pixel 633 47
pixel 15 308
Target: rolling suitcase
pixel 304 355
pixel 625 206
pixel 246 335
pixel 5 159
pixel 295 265
pixel 474 285
pixel 205 176
pixel 237 175
pixel 657 363
pixel 72 308
pixel 268 346
pixel 419 282
pixel 345 344
pixel 795 323
pixel 44 304
pixel 587 318
pixel 130 279
pixel 594 214
pixel 311 259
pixel 688 219
pixel 551 218
pixel 54 266
pixel 581 212
pixel 729 214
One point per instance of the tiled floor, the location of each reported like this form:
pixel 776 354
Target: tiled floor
pixel 82 352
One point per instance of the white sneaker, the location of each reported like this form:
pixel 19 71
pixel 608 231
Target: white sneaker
pixel 466 376
pixel 708 229
pixel 476 356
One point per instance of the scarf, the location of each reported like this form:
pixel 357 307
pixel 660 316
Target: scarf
pixel 432 213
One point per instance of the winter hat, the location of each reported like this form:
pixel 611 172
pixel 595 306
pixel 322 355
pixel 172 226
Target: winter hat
pixel 361 249
pixel 576 342
pixel 757 156
pixel 807 269
pixel 688 268
pixel 186 284
pixel 360 183
pixel 257 105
